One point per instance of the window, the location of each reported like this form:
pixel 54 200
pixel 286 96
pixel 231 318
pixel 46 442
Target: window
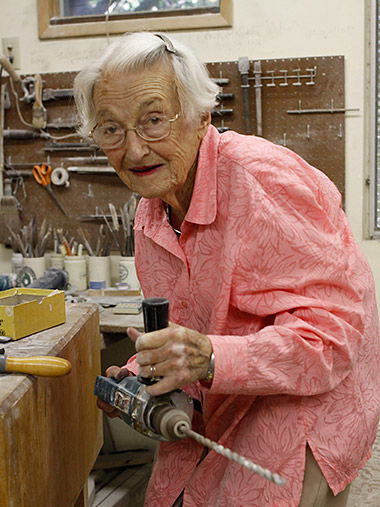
pixel 76 18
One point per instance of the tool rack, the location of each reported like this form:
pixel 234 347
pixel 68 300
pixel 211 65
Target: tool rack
pixel 302 106
pixel 295 102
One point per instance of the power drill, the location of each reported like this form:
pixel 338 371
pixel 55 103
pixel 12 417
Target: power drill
pixel 166 417
pixel 157 417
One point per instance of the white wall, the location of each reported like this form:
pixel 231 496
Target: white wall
pixel 261 29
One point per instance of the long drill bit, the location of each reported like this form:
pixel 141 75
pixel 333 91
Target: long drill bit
pixel 234 456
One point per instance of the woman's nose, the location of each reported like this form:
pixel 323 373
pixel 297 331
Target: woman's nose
pixel 136 148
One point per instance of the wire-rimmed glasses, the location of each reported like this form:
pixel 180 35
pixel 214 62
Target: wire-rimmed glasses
pixel 109 135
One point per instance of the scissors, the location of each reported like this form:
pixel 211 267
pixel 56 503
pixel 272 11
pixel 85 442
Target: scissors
pixel 42 174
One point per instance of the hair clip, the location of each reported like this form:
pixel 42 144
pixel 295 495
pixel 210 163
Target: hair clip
pixel 168 43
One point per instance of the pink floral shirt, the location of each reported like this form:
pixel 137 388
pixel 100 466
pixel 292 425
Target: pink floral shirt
pixel 267 267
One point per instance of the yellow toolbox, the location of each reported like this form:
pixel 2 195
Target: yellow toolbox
pixel 26 311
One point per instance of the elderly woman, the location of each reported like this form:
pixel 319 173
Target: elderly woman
pixel 274 323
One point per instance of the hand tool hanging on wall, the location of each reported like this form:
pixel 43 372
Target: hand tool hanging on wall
pixel 224 96
pixel 82 169
pixel 221 81
pixel 9 211
pixel 70 147
pixel 9 206
pixel 42 174
pixel 39 113
pixel 87 160
pixel 243 66
pixel 24 134
pixel 221 112
pixel 166 417
pixel 42 366
pixel 47 93
pixel 59 93
pixel 258 87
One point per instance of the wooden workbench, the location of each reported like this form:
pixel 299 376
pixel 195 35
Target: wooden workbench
pixel 118 323
pixel 50 428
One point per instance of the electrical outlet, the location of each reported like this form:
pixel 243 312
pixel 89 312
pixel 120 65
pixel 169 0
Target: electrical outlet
pixel 11 50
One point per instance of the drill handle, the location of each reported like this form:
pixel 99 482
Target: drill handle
pixel 156 316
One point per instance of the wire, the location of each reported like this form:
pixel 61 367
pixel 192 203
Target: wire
pixel 18 106
pixel 107 13
pixel 66 136
pixel 45 134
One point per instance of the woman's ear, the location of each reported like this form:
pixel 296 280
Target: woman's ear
pixel 204 122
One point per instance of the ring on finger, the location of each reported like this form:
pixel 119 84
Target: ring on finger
pixel 153 370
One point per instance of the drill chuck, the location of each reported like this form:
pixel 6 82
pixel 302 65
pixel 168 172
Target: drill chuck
pixel 169 422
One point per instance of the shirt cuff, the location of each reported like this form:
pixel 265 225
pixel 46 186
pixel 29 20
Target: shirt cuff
pixel 231 364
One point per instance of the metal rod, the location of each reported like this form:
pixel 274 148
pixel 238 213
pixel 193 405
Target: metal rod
pixel 243 66
pixel 233 456
pixel 292 76
pixel 258 96
pixel 312 111
pixel 221 112
pixel 220 80
pixel 91 169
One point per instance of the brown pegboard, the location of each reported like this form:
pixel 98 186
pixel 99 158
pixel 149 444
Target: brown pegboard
pixel 317 137
pixel 86 191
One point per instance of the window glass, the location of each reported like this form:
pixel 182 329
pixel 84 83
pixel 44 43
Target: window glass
pixel 96 7
pixel 88 18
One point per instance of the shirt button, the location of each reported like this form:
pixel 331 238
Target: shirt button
pixel 184 304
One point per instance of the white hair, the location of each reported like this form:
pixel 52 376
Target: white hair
pixel 135 51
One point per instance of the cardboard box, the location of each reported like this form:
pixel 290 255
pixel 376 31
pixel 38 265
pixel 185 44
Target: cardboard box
pixel 26 311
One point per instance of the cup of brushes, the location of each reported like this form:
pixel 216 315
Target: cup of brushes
pixel 122 234
pixel 42 366
pixel 31 241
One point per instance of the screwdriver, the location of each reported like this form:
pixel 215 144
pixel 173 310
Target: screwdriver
pixel 42 366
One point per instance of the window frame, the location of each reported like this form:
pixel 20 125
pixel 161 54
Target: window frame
pixel 49 9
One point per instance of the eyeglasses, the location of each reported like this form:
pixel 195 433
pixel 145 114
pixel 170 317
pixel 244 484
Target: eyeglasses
pixel 152 128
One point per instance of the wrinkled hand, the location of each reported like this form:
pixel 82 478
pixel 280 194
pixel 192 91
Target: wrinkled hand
pixel 119 373
pixel 180 356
